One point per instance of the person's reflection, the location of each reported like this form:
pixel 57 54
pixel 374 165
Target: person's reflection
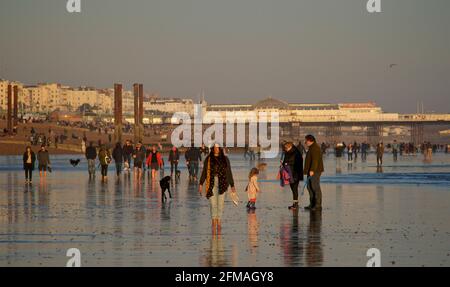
pixel 379 169
pixel 291 241
pixel 314 251
pixel 215 255
pixel 165 210
pixel 253 229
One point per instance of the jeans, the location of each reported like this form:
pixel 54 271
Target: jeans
pixel 315 193
pixel 193 168
pixel 172 165
pixel 91 166
pixel 118 168
pixel 216 202
pixel 28 172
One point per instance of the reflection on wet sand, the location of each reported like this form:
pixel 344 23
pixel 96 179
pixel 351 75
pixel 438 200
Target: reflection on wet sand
pixel 314 250
pixel 302 248
pixel 253 229
pixel 291 241
pixel 215 255
pixel 124 223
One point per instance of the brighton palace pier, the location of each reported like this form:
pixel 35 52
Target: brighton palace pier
pixel 330 122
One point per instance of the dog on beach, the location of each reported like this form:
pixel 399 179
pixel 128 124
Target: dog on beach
pixel 74 162
pixel 165 185
pixel 177 174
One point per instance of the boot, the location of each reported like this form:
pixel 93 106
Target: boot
pixel 293 206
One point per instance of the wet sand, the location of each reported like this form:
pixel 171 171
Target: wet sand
pixel 403 212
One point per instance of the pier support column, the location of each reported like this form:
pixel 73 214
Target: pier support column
pixel 374 133
pixel 9 122
pixel 334 132
pixel 117 113
pixel 417 133
pixel 16 106
pixel 138 92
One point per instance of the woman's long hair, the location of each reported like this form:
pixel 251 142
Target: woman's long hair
pixel 221 158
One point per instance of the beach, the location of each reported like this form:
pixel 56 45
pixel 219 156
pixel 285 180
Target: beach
pixel 403 212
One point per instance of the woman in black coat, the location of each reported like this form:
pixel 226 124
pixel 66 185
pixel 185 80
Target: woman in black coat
pixel 29 159
pixel 293 159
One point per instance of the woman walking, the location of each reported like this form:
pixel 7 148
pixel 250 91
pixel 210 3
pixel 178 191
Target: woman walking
pixel 293 160
pixel 29 159
pixel 154 161
pixel 105 159
pixel 217 177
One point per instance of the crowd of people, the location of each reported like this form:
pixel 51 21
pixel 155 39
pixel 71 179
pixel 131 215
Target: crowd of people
pixel 302 162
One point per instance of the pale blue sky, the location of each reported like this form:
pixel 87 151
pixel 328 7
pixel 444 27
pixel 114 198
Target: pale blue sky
pixel 237 50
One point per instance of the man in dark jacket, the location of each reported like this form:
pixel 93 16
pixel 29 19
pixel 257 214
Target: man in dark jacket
pixel 44 160
pixel 313 170
pixel 193 156
pixel 293 160
pixel 118 157
pixel 91 155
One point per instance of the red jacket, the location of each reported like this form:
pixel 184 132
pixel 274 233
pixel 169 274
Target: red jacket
pixel 158 158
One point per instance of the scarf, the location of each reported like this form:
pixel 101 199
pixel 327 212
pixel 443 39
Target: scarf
pixel 221 174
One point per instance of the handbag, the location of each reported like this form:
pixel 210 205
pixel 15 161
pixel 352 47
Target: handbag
pixel 234 198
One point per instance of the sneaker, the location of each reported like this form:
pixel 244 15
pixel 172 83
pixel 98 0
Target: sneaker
pixel 293 206
pixel 307 207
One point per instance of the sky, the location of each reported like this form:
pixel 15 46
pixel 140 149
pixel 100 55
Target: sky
pixel 237 51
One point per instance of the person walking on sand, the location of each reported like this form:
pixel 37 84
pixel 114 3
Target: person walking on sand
pixel 43 158
pixel 313 170
pixel 127 154
pixel 380 153
pixel 395 148
pixel 217 177
pixel 154 161
pixel 293 161
pixel 91 155
pixel 174 157
pixel 29 159
pixel 105 159
pixel 118 158
pixel 139 158
pixel 252 188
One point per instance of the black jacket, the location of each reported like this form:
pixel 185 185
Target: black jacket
pixel 193 155
pixel 127 150
pixel 91 152
pixel 294 159
pixel 33 159
pixel 117 154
